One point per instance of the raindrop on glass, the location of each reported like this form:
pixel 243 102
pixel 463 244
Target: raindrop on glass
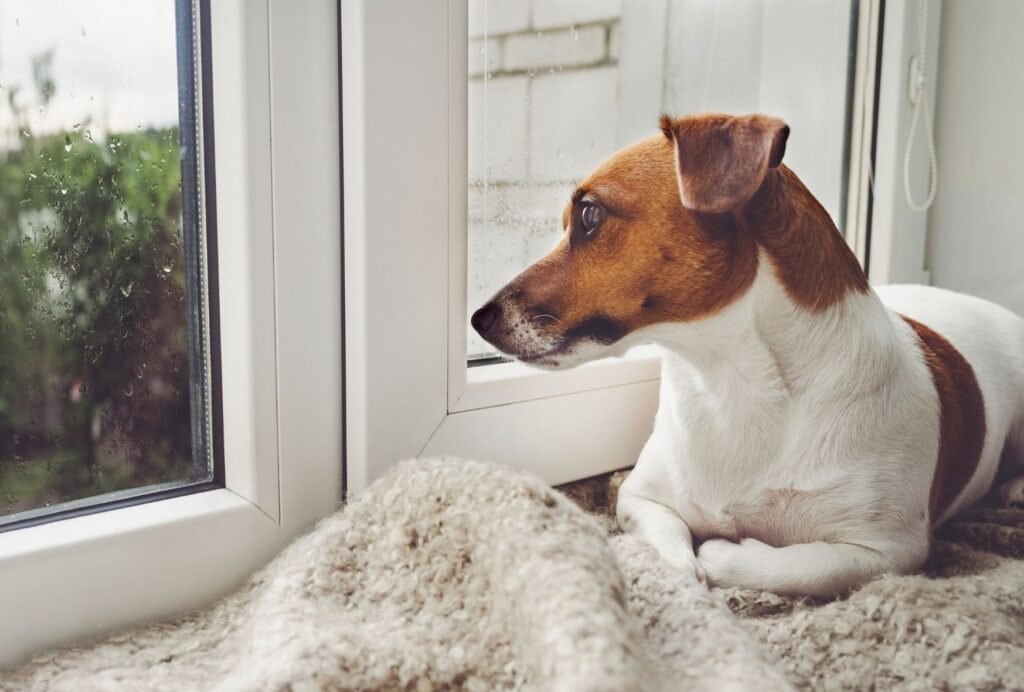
pixel 76 127
pixel 67 143
pixel 166 268
pixel 88 136
pixel 127 290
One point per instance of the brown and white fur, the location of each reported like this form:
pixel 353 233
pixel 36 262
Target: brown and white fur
pixel 811 431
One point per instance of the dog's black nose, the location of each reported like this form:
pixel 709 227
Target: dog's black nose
pixel 484 318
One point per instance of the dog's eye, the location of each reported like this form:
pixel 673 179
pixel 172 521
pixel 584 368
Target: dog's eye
pixel 591 216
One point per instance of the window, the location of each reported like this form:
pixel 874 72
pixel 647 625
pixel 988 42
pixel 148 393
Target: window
pixel 267 82
pixel 104 391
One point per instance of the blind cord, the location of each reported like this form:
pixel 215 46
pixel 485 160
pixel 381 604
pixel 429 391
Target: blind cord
pixel 919 96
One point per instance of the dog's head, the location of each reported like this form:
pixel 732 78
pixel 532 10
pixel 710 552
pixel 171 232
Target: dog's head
pixel 651 236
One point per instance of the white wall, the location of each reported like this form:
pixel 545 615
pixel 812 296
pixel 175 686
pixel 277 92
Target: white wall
pixel 976 227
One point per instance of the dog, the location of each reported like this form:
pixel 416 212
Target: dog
pixel 812 431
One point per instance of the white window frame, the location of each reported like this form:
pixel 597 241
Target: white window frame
pixel 897 248
pixel 275 76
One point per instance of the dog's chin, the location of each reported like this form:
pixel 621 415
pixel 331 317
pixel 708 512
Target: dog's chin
pixel 563 358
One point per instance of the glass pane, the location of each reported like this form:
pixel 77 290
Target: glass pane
pixel 557 87
pixel 102 365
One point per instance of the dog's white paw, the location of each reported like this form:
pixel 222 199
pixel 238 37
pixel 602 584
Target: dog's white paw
pixel 686 562
pixel 725 562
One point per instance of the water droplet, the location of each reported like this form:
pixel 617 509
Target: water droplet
pixel 63 191
pixel 26 134
pixel 488 75
pixel 575 34
pixel 532 72
pixel 88 136
pixel 17 22
pixel 127 290
pixel 76 127
pixel 67 143
pixel 32 176
pixel 81 31
pixel 166 268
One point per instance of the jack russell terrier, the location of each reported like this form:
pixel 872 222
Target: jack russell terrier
pixel 812 431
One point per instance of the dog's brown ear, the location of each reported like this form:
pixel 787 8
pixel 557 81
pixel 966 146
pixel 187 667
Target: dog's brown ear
pixel 721 160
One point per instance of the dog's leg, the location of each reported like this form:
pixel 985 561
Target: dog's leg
pixel 662 528
pixel 805 569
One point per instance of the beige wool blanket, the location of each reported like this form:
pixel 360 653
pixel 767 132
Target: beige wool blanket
pixel 449 574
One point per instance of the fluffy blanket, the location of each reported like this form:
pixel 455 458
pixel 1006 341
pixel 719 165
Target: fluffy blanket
pixel 450 574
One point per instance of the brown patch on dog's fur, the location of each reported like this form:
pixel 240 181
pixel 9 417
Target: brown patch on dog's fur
pixel 732 164
pixel 652 260
pixel 961 417
pixel 811 258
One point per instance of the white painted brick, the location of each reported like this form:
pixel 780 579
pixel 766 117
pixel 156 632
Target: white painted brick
pixel 538 202
pixel 493 17
pixel 548 14
pixel 497 128
pixel 573 122
pixel 561 48
pixel 484 56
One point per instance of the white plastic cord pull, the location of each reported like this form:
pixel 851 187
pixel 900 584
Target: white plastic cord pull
pixel 919 97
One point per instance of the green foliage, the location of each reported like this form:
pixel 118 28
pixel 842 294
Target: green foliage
pixel 93 354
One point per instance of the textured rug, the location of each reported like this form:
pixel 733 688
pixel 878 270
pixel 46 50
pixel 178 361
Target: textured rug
pixel 449 574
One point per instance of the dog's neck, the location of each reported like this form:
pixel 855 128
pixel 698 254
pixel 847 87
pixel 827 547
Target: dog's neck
pixel 808 321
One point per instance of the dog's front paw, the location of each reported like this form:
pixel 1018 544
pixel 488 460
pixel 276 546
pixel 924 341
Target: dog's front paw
pixel 686 562
pixel 716 558
pixel 726 563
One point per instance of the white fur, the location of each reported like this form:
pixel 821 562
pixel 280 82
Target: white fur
pixel 820 430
